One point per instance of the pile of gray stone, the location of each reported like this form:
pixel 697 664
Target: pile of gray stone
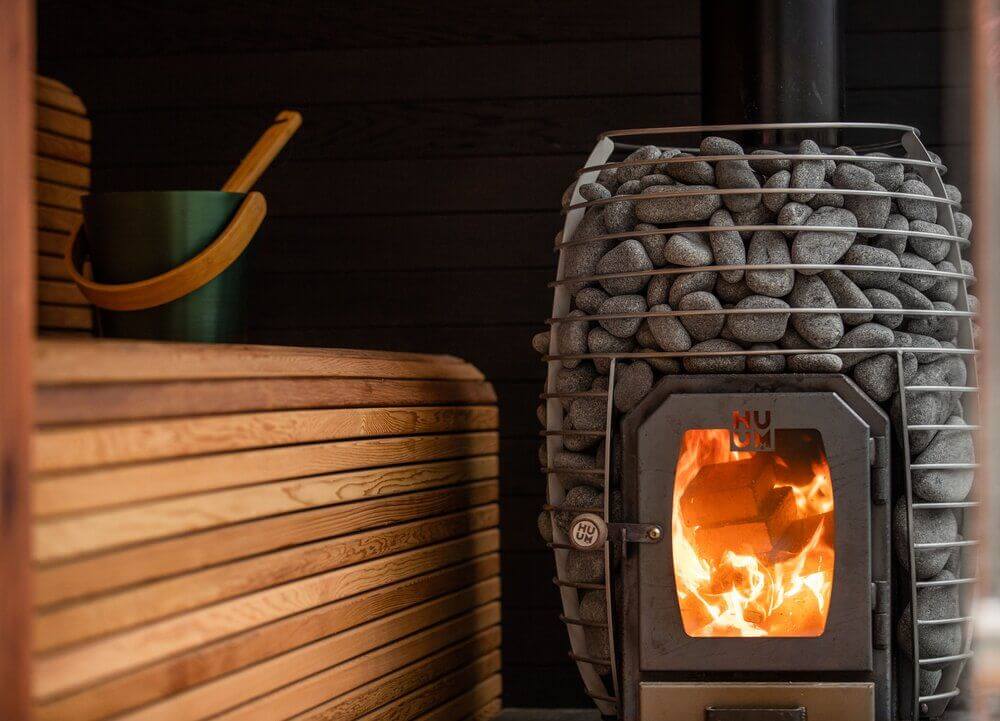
pixel 820 219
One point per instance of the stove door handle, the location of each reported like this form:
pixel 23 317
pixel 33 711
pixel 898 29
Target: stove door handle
pixel 589 532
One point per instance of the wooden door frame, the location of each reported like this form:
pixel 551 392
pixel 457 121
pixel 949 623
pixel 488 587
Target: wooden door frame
pixel 17 321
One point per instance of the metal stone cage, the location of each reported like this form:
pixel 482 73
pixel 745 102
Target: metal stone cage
pixel 909 151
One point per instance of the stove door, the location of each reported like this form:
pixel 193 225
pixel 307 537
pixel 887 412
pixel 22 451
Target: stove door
pixel 767 562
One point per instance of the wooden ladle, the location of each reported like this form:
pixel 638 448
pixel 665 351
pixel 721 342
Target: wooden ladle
pixel 263 152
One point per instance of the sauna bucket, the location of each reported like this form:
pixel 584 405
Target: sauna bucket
pixel 168 265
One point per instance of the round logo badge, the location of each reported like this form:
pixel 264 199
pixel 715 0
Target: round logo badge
pixel 588 532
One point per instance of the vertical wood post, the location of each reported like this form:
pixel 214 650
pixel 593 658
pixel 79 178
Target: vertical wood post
pixel 17 319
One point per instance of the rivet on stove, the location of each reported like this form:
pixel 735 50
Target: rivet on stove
pixel 654 533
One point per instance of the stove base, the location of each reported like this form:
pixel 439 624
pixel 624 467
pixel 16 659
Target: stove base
pixel 659 701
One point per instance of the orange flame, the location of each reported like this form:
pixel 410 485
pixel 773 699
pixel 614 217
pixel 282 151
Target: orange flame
pixel 752 559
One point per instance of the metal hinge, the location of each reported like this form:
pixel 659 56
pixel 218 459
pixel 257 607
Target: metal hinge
pixel 881 627
pixel 588 532
pixel 878 458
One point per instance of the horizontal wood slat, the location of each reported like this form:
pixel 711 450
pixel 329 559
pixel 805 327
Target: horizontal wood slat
pixel 58 96
pixel 62 293
pixel 144 604
pixel 484 713
pixel 60 122
pixel 176 674
pixel 64 316
pixel 52 268
pixel 440 695
pixel 61 449
pixel 59 220
pixel 60 196
pixel 59 147
pixel 62 172
pixel 53 243
pixel 126 361
pixel 64 671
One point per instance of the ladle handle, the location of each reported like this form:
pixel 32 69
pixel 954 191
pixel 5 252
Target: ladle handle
pixel 263 152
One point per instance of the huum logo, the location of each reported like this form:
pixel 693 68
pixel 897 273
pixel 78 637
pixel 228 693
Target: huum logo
pixel 751 431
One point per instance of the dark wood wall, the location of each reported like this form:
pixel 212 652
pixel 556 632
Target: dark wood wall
pixel 416 208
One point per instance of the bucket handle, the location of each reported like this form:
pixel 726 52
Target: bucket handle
pixel 186 278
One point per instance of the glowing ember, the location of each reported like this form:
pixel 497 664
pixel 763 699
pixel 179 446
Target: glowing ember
pixel 753 536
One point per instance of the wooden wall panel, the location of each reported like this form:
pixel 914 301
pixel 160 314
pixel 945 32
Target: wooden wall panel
pixel 261 564
pixel 416 208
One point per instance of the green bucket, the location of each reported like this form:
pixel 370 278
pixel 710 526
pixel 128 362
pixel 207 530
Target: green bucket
pixel 136 236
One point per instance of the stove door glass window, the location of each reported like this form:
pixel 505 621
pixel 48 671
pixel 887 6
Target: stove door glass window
pixel 753 535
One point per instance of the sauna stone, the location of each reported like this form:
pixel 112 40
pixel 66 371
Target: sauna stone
pixel 629 256
pixel 701 327
pixel 813 245
pixel 572 338
pixel 759 327
pixel 946 485
pixel 680 208
pixel 726 245
pixel 687 249
pixel 715 364
pixel 773 363
pixel 633 382
pixel 821 330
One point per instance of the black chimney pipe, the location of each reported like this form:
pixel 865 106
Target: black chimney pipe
pixel 771 61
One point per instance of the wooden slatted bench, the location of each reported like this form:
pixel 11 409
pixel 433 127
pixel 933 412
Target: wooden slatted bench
pixel 250 532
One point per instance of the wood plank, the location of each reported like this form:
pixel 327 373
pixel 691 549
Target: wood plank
pixel 382 691
pixel 486 713
pixel 47 82
pixel 51 268
pixel 58 97
pixel 59 196
pixel 116 361
pixel 142 30
pixel 50 291
pixel 62 172
pixel 51 145
pixel 119 569
pixel 62 449
pixel 17 61
pixel 214 79
pixel 176 674
pixel 162 479
pixel 396 664
pixel 79 666
pixel 65 316
pixel 58 219
pixel 444 698
pixel 53 243
pixel 331 657
pixel 63 123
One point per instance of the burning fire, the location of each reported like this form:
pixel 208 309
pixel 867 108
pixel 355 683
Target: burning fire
pixel 753 536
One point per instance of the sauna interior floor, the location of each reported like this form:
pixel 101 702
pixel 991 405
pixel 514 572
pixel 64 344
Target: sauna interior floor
pixel 583 714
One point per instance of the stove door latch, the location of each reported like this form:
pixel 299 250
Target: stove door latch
pixel 589 532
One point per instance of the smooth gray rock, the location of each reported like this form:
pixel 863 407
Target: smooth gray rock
pixel 581 258
pixel 868 255
pixel 633 381
pixel 929 681
pixel 619 216
pixel 941 326
pixel 895 237
pixel 758 327
pixel 571 338
pixel 866 335
pixel 620 304
pixel 922 341
pixel 758 215
pixel 771 363
pixel 884 300
pixel 634 172
pixel 793 214
pixel 820 330
pixel 666 366
pixel 600 341
pixel 696 172
pixel 910 297
pixel 887 174
pixel 732 174
pixel 963 224
pixel 594 191
pixel 769 166
pixel 731 292
pixel 932 249
pixel 929 407
pixel 570 468
pixel 658 288
pixel 871 211
pixel 644 336
pixel 877 376
pixel 912 261
pixel 726 245
pixel 814 363
pixel 580 499
pixel 594 610
pixel 830 199
pixel 665 154
pixel 952 192
pixel 588 414
pixel 691 283
pixel 715 364
pixel 930 525
pixel 946 485
pixel 939 640
pixel 945 289
pixel 608 177
pixel 677 209
pixel 575 380
pixel 848 295
pixel 701 327
pixel 915 209
pixel 807 173
pixel 540 342
pixel 775 201
pixel 655 179
pixel 629 256
pixel 769 247
pixel 970 270
pixel 584 566
pixel 545 526
pixel 688 249
pixel 813 244
pixel 653 243
pixel 589 299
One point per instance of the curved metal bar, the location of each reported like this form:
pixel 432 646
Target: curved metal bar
pixel 586 509
pixel 769 351
pixel 571 433
pixel 958 389
pixel 580 622
pixel 944 427
pixel 601 697
pixel 574 394
pixel 944 621
pixel 916 312
pixel 940 696
pixel 945 659
pixel 943 544
pixel 943 466
pixel 760 191
pixel 688 129
pixel 585 471
pixel 946 504
pixel 748 228
pixel 574 584
pixel 589 659
pixel 947 582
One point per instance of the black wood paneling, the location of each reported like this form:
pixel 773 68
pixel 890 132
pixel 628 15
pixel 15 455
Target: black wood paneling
pixel 416 208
